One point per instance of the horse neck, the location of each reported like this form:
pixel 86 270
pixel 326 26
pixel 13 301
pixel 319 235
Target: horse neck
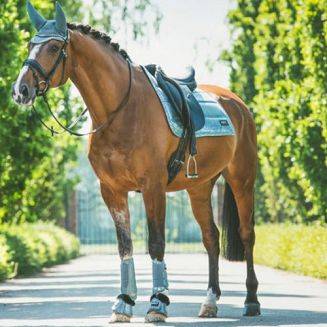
pixel 100 74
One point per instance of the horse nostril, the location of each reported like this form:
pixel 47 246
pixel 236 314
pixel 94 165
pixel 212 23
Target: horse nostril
pixel 24 90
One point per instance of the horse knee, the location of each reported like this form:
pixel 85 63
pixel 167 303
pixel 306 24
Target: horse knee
pixel 157 249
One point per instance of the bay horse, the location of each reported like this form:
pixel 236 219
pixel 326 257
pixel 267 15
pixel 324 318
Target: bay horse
pixel 130 147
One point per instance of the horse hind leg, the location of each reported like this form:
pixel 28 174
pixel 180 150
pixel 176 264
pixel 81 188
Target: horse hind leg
pixel 238 233
pixel 200 197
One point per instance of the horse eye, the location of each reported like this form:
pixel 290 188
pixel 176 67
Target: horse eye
pixel 54 48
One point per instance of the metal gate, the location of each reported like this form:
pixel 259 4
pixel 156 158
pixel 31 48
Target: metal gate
pixel 96 230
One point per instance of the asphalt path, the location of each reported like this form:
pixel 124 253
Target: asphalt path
pixel 81 293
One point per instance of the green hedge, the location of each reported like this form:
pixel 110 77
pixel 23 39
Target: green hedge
pixel 6 266
pixel 25 249
pixel 279 67
pixel 298 248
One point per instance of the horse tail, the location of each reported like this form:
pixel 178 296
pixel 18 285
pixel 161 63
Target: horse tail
pixel 232 246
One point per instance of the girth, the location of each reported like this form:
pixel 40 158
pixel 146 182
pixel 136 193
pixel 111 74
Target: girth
pixel 190 112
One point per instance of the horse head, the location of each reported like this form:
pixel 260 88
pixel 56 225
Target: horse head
pixel 47 65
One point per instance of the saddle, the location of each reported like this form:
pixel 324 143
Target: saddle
pixel 179 92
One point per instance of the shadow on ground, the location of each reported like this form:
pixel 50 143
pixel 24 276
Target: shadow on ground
pixel 62 298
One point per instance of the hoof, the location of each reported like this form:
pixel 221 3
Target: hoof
pixel 121 311
pixel 251 309
pixel 118 317
pixel 158 308
pixel 208 311
pixel 155 317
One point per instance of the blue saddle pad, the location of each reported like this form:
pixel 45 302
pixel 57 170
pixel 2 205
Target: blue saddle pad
pixel 217 122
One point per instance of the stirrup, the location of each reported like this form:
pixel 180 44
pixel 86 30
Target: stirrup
pixel 194 174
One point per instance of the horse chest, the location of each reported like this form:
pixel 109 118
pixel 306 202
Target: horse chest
pixel 112 166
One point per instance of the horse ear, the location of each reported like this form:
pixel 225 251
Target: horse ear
pixel 37 20
pixel 61 24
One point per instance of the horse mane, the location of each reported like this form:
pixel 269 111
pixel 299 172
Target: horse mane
pixel 97 35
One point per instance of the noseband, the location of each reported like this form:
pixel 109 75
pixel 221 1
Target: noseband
pixel 36 67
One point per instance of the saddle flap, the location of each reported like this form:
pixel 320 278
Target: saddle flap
pixel 178 99
pixel 171 91
pixel 196 111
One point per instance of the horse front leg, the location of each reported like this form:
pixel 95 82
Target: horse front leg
pixel 117 203
pixel 155 206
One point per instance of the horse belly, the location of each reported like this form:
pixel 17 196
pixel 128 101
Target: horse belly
pixel 214 154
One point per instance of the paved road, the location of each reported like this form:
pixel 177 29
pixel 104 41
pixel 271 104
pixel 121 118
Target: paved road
pixel 77 294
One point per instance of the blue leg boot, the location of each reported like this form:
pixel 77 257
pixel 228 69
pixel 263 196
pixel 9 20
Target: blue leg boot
pixel 159 299
pixel 122 310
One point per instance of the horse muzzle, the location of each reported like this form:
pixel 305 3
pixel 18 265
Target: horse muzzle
pixel 23 94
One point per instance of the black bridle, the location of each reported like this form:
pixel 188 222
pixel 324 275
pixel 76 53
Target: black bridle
pixel 36 68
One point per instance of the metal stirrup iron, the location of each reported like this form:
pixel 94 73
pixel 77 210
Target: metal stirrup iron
pixel 194 174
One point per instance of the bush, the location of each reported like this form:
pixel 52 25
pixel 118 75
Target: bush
pixel 30 247
pixel 6 265
pixel 278 65
pixel 298 248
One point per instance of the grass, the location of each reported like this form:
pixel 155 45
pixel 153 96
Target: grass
pixel 297 248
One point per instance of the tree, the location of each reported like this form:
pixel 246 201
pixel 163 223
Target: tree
pixel 34 167
pixel 136 18
pixel 279 66
pixel 29 158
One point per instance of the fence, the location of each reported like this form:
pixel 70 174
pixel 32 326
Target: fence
pixel 96 231
pixel 90 219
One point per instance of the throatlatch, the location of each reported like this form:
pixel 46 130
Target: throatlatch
pixel 126 300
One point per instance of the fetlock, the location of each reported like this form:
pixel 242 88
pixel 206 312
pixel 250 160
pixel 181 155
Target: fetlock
pixel 123 305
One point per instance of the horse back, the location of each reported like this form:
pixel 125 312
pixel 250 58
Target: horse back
pixel 238 112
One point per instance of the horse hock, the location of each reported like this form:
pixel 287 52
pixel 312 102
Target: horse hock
pixel 159 299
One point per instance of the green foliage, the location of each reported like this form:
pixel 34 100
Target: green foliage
pixel 279 66
pixel 298 248
pixel 30 247
pixel 135 18
pixel 6 265
pixel 33 166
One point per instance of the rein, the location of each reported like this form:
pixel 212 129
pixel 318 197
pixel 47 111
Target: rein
pixel 37 68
